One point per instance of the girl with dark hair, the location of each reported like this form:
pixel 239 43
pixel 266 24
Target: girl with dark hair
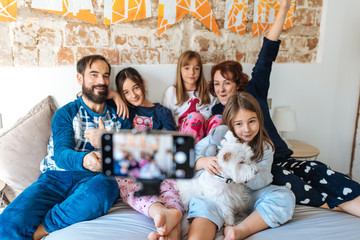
pixel 166 209
pixel 143 114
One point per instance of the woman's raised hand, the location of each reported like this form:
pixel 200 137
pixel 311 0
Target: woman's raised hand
pixel 285 4
pixel 277 27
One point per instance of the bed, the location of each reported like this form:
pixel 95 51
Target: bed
pixel 19 167
pixel 124 223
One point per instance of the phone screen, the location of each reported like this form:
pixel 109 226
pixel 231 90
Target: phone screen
pixel 154 155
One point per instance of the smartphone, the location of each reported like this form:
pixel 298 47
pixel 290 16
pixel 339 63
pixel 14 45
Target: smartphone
pixel 153 155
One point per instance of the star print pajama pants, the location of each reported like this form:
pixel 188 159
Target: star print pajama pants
pixel 314 183
pixel 169 196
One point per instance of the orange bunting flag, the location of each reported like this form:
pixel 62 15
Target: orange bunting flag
pixel 117 11
pixel 235 19
pixel 79 9
pixel 264 15
pixel 8 10
pixel 171 11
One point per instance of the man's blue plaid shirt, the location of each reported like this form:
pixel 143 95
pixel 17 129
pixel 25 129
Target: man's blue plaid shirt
pixel 67 140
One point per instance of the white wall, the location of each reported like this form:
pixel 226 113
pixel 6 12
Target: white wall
pixel 324 95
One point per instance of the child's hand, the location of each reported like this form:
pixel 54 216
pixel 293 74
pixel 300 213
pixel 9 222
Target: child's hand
pixel 94 135
pixel 122 109
pixel 209 164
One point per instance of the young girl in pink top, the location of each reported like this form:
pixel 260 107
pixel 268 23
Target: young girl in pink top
pixel 189 100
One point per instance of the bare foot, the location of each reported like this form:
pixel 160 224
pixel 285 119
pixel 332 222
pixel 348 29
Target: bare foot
pixel 153 236
pixel 40 232
pixel 175 233
pixel 166 220
pixel 232 233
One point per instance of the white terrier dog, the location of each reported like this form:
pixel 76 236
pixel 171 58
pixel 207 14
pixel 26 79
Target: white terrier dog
pixel 227 191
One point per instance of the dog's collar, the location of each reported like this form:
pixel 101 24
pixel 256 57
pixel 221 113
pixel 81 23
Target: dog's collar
pixel 226 180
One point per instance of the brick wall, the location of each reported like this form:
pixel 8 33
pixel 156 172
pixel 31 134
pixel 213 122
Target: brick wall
pixel 39 38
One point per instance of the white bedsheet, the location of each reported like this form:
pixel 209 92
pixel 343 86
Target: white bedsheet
pixel 124 223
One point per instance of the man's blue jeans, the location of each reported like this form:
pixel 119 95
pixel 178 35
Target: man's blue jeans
pixel 58 199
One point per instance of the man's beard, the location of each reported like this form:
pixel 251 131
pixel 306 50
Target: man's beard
pixel 89 93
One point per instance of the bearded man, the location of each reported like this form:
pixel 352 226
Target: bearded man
pixel 71 188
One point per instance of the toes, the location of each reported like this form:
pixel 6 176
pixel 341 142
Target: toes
pixel 152 236
pixel 160 223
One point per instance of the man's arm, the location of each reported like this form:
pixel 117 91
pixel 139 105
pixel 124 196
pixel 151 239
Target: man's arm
pixel 64 142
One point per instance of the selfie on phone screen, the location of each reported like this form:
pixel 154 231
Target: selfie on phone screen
pixel 154 155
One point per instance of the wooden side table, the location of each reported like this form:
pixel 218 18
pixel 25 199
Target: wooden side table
pixel 303 150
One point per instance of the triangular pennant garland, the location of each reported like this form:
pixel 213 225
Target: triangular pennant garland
pixel 235 19
pixel 117 11
pixel 8 10
pixel 171 11
pixel 79 9
pixel 264 15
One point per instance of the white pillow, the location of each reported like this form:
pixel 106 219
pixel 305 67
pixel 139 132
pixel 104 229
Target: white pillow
pixel 24 146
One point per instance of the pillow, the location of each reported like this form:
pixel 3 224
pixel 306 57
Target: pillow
pixel 23 147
